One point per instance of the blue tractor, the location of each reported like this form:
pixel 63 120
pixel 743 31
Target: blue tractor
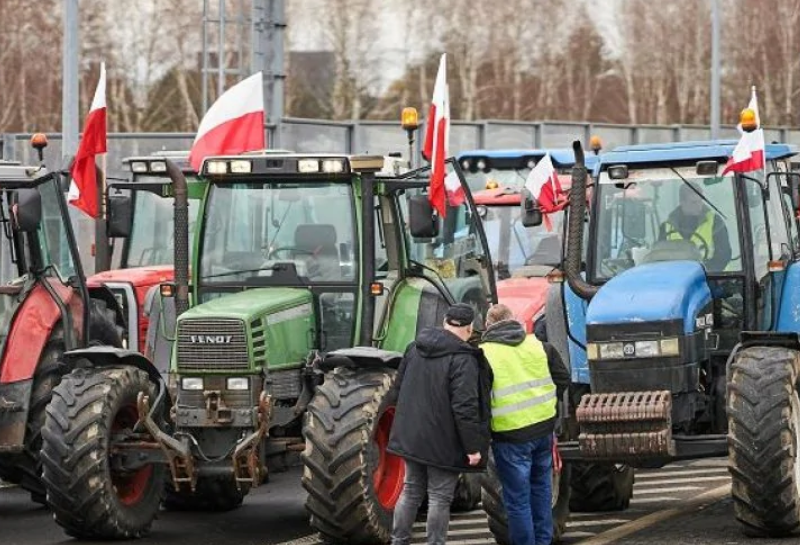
pixel 682 315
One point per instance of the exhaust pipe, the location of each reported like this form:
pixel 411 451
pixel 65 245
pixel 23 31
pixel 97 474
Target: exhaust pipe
pixel 181 193
pixel 577 205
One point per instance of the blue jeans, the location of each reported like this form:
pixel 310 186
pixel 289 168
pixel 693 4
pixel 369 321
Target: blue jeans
pixel 525 474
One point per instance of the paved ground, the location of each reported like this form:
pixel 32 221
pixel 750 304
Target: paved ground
pixel 683 503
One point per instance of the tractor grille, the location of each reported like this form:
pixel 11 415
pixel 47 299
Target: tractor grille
pixel 212 344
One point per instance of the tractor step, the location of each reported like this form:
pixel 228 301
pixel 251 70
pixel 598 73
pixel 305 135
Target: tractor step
pixel 626 425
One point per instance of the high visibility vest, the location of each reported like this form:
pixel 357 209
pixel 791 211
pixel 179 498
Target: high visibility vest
pixel 703 236
pixel 523 393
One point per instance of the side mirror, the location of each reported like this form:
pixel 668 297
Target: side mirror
pixel 531 215
pixel 422 221
pixel 483 211
pixel 26 210
pixel 120 216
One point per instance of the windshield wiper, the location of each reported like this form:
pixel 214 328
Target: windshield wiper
pixel 276 267
pixel 697 192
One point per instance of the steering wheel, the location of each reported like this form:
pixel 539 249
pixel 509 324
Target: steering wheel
pixel 288 248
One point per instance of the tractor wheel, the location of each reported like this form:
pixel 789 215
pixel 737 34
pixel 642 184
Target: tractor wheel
pixel 492 500
pixel 103 328
pixel 212 494
pixel 353 484
pixel 764 440
pixel 89 498
pixel 468 492
pixel 600 487
pixel 25 469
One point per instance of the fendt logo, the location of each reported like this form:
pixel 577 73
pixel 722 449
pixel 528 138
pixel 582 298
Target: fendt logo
pixel 210 339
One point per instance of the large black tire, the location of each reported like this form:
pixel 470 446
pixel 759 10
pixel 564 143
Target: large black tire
pixel 25 469
pixel 467 496
pixel 764 440
pixel 103 327
pixel 600 487
pixel 212 494
pixel 352 483
pixel 493 506
pixel 88 499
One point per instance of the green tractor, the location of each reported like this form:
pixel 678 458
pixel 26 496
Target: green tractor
pixel 310 275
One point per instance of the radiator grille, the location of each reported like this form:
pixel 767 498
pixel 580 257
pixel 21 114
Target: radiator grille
pixel 212 344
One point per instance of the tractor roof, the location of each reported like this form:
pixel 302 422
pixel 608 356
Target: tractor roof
pixel 719 150
pixel 562 157
pixel 12 171
pixel 179 157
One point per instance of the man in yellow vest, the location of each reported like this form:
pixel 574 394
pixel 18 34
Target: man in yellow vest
pixel 694 221
pixel 528 378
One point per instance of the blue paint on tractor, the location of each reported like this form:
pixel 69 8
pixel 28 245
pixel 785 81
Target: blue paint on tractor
pixel 653 292
pixel 720 150
pixel 562 157
pixel 576 320
pixel 789 312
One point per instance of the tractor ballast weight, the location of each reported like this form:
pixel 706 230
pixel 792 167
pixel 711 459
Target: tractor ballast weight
pixel 703 358
pixel 306 288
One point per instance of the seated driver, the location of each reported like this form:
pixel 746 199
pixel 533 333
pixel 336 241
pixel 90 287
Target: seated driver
pixel 694 221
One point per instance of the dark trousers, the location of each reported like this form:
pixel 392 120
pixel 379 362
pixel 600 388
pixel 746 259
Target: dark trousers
pixel 525 471
pixel 440 486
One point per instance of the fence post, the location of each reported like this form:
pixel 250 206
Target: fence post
pixel 7 151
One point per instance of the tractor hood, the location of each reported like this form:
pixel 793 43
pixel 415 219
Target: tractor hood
pixel 525 297
pixel 137 276
pixel 250 304
pixel 655 292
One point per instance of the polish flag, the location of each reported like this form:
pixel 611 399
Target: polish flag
pixel 83 193
pixel 437 135
pixel 748 155
pixel 545 186
pixel 452 186
pixel 234 123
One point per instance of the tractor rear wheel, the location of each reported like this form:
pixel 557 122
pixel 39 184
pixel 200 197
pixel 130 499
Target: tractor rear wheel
pixel 494 507
pixel 89 497
pixel 353 484
pixel 213 494
pixel 600 487
pixel 25 469
pixel 468 492
pixel 764 440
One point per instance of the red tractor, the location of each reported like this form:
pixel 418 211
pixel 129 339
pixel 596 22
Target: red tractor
pixel 522 256
pixel 140 224
pixel 46 308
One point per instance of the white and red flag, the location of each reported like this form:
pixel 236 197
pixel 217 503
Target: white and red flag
pixel 748 155
pixel 83 190
pixel 452 186
pixel 437 135
pixel 233 124
pixel 545 187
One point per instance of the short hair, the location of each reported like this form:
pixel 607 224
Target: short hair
pixel 498 313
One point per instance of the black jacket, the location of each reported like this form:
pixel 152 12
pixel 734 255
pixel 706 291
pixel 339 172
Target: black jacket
pixel 512 333
pixel 443 407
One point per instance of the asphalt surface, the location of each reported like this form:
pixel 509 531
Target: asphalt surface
pixel 682 503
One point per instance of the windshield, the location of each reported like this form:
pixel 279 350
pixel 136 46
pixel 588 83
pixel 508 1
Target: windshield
pixel 663 214
pixel 514 246
pixel 151 241
pixel 281 233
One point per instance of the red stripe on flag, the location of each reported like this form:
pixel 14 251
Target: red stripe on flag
pixel 430 123
pixel 752 163
pixel 436 194
pixel 245 133
pixel 84 170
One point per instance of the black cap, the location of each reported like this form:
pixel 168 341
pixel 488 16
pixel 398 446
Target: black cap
pixel 460 315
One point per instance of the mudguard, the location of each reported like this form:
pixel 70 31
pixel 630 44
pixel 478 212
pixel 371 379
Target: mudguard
pixel 104 294
pixel 102 356
pixel 361 357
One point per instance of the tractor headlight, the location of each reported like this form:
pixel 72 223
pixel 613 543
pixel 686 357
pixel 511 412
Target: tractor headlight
pixel 670 347
pixel 332 165
pixel 241 167
pixel 192 383
pixel 138 166
pixel 306 166
pixel 238 383
pixel 609 351
pixel 646 349
pixel 158 166
pixel 217 167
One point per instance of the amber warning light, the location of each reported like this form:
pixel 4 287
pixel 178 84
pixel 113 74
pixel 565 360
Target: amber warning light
pixel 409 119
pixel 748 120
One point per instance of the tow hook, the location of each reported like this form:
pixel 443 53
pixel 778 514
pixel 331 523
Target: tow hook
pixel 246 466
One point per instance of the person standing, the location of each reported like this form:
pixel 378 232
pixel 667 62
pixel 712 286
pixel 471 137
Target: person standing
pixel 528 378
pixel 441 423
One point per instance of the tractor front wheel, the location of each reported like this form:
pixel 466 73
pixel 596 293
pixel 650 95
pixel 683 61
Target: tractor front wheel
pixel 353 484
pixel 764 440
pixel 90 498
pixel 601 487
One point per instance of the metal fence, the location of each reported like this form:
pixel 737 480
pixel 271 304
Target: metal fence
pixel 381 137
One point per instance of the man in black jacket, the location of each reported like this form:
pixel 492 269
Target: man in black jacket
pixel 441 425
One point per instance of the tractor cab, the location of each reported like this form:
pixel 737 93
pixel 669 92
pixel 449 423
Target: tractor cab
pixel 685 306
pixel 522 255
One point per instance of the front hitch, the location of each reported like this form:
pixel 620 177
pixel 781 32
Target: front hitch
pixel 246 466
